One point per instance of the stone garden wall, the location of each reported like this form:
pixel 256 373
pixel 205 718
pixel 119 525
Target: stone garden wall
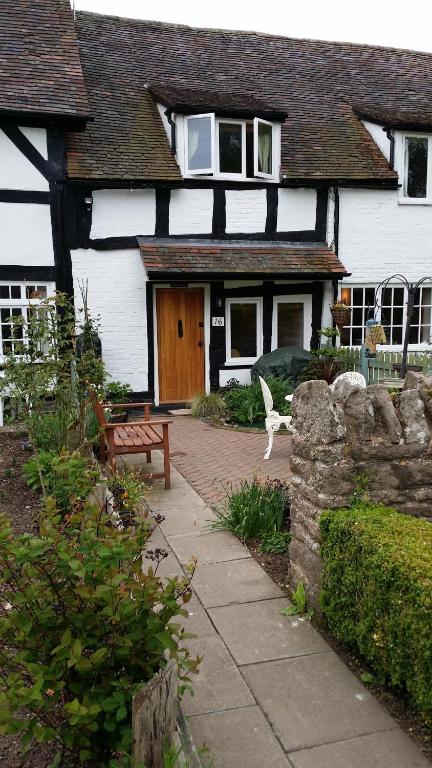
pixel 351 431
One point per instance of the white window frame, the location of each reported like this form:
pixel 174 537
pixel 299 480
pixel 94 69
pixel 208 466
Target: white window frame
pixel 403 198
pixel 300 298
pixel 420 347
pixel 200 171
pixel 213 172
pixel 256 123
pixel 258 301
pixel 23 302
pixel 219 173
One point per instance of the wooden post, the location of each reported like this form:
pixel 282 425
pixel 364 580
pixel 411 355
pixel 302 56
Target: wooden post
pixel 154 716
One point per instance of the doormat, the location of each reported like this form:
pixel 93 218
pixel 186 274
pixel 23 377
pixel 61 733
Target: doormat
pixel 180 412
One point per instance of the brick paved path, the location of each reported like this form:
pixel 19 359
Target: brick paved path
pixel 209 457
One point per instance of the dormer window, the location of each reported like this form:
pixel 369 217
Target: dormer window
pixel 229 148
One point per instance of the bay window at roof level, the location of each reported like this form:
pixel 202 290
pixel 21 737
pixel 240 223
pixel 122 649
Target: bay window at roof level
pixel 391 312
pixel 229 148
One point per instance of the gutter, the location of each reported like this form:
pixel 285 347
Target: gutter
pixel 336 220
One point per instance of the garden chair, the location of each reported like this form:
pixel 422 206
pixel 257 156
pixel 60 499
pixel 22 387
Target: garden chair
pixel 352 377
pixel 132 437
pixel 274 421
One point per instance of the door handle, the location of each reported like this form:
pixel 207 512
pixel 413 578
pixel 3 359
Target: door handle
pixel 180 329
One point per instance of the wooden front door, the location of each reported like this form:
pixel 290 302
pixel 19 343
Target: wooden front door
pixel 180 331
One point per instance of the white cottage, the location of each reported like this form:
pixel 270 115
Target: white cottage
pixel 213 187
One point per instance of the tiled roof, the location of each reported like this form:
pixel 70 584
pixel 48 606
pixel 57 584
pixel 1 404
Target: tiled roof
pixel 314 82
pixel 40 69
pixel 185 99
pixel 239 258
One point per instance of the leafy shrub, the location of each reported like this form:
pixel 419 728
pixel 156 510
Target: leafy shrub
pixel 82 627
pixel 377 593
pixel 67 477
pixel 245 404
pixel 275 543
pixel 208 406
pixel 327 363
pixel 47 431
pixel 255 509
pixel 128 491
pixel 116 392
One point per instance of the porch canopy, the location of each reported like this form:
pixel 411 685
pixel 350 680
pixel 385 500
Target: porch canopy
pixel 220 259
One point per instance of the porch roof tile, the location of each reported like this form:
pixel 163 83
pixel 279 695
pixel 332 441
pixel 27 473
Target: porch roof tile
pixel 240 258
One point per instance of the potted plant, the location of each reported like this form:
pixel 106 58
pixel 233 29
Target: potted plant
pixel 341 313
pixel 115 392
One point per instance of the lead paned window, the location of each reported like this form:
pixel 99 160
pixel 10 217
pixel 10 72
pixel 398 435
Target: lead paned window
pixel 16 301
pixel 244 330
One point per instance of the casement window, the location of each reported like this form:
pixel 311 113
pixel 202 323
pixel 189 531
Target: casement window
pixel 17 300
pixel 229 148
pixel 243 330
pixel 417 168
pixel 292 321
pixel 391 312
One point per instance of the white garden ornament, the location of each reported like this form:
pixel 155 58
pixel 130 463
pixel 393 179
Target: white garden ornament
pixel 274 421
pixel 352 377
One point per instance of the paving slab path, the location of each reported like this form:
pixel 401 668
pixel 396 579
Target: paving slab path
pixel 270 693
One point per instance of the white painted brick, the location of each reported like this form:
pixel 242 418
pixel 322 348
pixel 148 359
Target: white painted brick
pixel 246 211
pixel 117 293
pixel 296 209
pixel 16 172
pixel 123 213
pixel 378 237
pixel 191 211
pixel 26 234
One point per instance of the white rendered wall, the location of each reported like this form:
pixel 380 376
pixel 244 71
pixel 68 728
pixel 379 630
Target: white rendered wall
pixel 330 228
pixel 123 213
pixel 296 209
pixel 191 211
pixel 379 237
pixel 379 136
pixel 246 211
pixel 26 234
pixel 117 293
pixel 243 376
pixel 16 172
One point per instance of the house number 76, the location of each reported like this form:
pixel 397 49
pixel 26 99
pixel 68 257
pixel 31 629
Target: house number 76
pixel 218 321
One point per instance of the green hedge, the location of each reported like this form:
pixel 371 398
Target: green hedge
pixel 377 593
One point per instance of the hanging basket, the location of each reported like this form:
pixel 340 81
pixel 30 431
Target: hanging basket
pixel 341 314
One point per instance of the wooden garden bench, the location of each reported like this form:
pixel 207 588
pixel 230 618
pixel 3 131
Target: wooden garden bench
pixel 133 436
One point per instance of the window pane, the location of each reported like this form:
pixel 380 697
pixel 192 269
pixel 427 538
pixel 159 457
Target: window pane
pixel 357 335
pixel 265 133
pixel 290 324
pixel 346 296
pixel 425 334
pixel 398 297
pixel 416 154
pixel 199 143
pixel 4 292
pixel 249 151
pixel 357 297
pixel 230 148
pixel 370 297
pixel 357 317
pixel 387 297
pixel 397 336
pixel 413 334
pixel 398 316
pixel 15 291
pixel 243 330
pixel 427 296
